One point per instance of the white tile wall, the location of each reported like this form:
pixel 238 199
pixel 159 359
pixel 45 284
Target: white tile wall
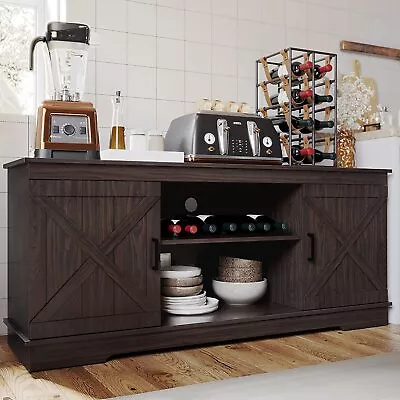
pixel 165 54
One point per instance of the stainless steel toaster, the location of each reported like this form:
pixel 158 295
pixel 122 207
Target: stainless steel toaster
pixel 222 136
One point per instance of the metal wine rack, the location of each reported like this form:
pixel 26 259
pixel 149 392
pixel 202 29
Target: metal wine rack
pixel 267 87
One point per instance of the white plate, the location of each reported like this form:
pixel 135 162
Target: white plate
pixel 212 305
pixel 180 271
pixel 200 302
pixel 185 298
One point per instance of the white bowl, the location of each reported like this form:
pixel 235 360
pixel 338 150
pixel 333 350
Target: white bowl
pixel 239 294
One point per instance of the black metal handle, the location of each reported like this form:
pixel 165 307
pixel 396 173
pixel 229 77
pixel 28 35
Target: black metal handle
pixel 156 244
pixel 32 49
pixel 312 247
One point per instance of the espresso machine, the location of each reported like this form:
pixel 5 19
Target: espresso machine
pixel 66 125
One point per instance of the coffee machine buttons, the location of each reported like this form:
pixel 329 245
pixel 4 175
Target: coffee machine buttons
pixel 209 138
pixel 82 130
pixel 267 141
pixel 69 129
pixel 56 129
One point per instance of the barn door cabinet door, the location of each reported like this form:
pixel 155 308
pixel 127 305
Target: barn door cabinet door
pixel 344 245
pixel 93 257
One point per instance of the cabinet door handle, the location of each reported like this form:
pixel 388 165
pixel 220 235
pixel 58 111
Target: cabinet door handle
pixel 312 247
pixel 156 247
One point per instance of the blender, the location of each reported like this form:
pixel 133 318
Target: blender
pixel 66 125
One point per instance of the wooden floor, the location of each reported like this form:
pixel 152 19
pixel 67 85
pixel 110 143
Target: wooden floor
pixel 178 368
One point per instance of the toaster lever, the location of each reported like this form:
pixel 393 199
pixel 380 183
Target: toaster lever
pixel 254 137
pixel 223 136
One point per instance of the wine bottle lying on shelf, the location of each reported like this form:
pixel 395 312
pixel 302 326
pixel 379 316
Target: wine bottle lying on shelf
pixel 275 226
pixel 319 156
pixel 202 227
pixel 298 97
pixel 298 69
pixel 170 227
pixel 222 224
pixel 244 223
pixel 177 227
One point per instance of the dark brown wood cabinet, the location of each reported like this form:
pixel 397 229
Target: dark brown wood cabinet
pixel 84 244
pixel 346 229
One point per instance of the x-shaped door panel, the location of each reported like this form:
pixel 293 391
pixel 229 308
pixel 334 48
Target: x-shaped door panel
pixel 98 253
pixel 347 242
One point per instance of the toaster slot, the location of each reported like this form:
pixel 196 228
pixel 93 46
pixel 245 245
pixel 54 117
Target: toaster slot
pixel 254 137
pixel 223 136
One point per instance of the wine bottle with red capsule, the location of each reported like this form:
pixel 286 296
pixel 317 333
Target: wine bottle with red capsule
pixel 170 228
pixel 298 69
pixel 298 97
pixel 321 71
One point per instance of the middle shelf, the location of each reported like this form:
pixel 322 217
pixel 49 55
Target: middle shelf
pixel 229 239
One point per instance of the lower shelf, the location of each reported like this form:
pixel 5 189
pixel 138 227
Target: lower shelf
pixel 61 352
pixel 232 313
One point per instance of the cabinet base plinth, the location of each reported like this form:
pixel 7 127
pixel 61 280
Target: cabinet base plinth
pixel 44 354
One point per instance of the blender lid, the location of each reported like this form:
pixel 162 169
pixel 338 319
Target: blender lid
pixel 68 32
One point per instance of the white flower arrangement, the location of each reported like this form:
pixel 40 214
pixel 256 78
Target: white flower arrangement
pixel 353 102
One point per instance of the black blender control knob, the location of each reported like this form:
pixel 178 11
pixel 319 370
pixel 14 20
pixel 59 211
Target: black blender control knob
pixel 69 129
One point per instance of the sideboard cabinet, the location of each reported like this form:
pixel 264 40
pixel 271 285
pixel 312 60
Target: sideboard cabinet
pixel 84 250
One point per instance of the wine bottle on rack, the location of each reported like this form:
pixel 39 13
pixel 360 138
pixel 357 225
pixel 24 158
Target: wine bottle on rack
pixel 318 99
pixel 299 154
pixel 275 226
pixel 298 97
pixel 298 69
pixel 298 123
pixel 319 156
pixel 321 71
pixel 260 225
pixel 222 224
pixel 318 126
pixel 170 227
pixel 244 223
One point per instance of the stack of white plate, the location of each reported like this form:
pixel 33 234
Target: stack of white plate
pixel 184 284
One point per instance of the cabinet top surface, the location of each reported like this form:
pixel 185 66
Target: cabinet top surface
pixel 193 172
pixel 190 165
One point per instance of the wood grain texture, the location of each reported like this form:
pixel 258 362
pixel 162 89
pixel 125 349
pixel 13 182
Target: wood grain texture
pixel 371 49
pixel 147 373
pixel 97 221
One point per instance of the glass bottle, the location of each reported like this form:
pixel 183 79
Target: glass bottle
pixel 117 137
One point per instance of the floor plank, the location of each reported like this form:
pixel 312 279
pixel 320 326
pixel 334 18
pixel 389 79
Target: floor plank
pixel 147 373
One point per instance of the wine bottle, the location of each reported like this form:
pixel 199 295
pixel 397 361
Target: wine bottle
pixel 297 123
pixel 170 227
pixel 204 227
pixel 223 225
pixel 298 97
pixel 189 227
pixel 318 126
pixel 276 226
pixel 299 154
pixel 297 68
pixel 319 156
pixel 244 223
pixel 318 99
pixel 321 71
pixel 260 225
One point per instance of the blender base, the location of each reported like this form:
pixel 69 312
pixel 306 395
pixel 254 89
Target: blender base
pixel 67 155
